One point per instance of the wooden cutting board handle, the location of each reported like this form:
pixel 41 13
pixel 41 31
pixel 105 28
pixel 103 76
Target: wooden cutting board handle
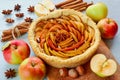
pixel 53 74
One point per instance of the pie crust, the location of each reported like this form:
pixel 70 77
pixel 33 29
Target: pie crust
pixel 69 61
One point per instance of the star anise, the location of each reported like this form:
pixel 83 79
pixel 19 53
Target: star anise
pixel 61 37
pixel 31 8
pixel 19 15
pixel 28 19
pixel 6 12
pixel 17 7
pixel 10 73
pixel 9 20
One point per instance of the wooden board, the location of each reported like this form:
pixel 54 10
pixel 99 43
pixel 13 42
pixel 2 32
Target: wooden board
pixel 53 74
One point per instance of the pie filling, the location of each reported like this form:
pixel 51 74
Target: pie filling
pixel 64 37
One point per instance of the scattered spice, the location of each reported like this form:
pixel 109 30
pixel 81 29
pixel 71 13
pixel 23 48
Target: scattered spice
pixel 19 15
pixel 17 7
pixel 6 12
pixel 9 20
pixel 10 73
pixel 28 19
pixel 31 8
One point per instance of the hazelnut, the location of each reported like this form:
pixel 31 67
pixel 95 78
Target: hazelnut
pixel 72 73
pixel 63 72
pixel 80 70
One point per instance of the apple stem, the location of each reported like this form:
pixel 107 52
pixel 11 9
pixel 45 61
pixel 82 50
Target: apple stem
pixel 14 46
pixel 33 64
pixel 109 20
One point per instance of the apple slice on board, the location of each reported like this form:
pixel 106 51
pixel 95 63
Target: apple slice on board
pixel 102 66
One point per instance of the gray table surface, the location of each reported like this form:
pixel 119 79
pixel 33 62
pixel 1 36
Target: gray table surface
pixel 114 12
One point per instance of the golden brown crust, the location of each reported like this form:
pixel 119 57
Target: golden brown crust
pixel 57 61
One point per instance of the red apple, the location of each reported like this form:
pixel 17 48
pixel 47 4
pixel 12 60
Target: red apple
pixel 15 51
pixel 32 68
pixel 108 28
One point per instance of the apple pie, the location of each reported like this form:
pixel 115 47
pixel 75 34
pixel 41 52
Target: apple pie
pixel 64 38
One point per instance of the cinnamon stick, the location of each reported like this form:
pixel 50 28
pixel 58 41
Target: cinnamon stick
pixel 72 3
pixel 10 34
pixel 82 9
pixel 7 32
pixel 7 38
pixel 76 5
pixel 89 4
pixel 63 3
pixel 23 25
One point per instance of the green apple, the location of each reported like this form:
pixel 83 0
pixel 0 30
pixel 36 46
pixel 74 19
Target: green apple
pixel 97 11
pixel 102 66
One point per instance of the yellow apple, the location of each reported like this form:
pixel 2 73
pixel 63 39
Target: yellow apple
pixel 102 66
pixel 97 11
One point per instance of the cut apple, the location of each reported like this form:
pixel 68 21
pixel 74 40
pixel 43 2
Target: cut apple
pixel 48 4
pixel 41 10
pixel 102 66
pixel 44 7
